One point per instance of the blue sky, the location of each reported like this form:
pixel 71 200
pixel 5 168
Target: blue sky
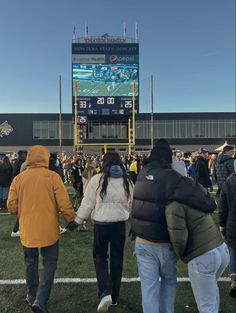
pixel 188 45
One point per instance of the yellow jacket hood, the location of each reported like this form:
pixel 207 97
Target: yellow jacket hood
pixel 38 156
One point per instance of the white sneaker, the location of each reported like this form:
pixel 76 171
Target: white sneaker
pixel 62 230
pixel 15 234
pixel 104 304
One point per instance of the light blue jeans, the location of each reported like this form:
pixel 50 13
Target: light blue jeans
pixel 204 272
pixel 157 271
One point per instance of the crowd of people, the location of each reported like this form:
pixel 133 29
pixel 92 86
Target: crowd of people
pixel 166 195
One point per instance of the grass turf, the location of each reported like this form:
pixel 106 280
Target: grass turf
pixel 76 261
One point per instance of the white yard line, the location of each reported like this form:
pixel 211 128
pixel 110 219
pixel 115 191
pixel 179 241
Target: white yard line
pixel 92 280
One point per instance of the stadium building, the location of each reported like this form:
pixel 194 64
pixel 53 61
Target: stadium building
pixel 184 131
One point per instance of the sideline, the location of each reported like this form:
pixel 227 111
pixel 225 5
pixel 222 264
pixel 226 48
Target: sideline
pixel 93 280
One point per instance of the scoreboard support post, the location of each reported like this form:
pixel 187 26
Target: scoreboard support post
pixel 133 112
pixel 75 116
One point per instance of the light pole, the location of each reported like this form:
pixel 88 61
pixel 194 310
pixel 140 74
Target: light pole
pixel 152 132
pixel 60 120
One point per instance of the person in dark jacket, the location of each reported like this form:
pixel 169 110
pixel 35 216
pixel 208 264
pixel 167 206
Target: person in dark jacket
pixel 227 210
pixel 156 186
pixel 55 167
pixel 202 174
pixel 16 169
pixel 22 154
pixel 224 166
pixel 5 181
pixel 196 239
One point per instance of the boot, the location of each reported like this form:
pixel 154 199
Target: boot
pixel 232 292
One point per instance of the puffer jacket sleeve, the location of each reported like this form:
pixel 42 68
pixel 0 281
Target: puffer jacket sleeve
pixel 62 199
pixel 177 228
pixel 230 166
pixel 223 206
pixel 12 202
pixel 89 200
pixel 187 191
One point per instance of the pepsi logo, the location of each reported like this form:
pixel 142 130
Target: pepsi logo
pixel 114 58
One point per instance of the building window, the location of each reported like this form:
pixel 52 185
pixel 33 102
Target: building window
pixel 50 130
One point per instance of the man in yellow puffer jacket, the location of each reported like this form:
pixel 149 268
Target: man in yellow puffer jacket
pixel 37 195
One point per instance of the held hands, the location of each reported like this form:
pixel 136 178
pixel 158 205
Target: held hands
pixel 223 231
pixel 72 225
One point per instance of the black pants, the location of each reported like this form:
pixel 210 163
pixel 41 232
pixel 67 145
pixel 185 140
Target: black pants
pixel 16 226
pixel 113 234
pixel 40 289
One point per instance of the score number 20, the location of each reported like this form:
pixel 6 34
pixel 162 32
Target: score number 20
pixel 109 100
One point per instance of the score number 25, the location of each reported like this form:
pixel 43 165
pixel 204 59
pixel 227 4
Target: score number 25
pixel 109 100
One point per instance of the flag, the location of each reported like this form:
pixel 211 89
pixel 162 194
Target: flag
pixel 136 31
pixel 86 30
pixel 124 30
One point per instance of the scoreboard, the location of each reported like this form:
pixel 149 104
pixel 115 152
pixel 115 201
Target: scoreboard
pixel 105 78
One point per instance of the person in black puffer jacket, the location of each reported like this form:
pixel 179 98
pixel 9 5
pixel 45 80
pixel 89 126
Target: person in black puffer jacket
pixel 158 185
pixel 227 210
pixel 224 166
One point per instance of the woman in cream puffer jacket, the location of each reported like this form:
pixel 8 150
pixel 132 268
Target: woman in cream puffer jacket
pixel 108 199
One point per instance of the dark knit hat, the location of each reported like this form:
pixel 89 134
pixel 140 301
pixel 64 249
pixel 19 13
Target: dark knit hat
pixel 161 152
pixel 227 148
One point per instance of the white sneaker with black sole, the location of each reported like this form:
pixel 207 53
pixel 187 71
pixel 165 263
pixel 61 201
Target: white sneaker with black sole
pixel 104 304
pixel 15 234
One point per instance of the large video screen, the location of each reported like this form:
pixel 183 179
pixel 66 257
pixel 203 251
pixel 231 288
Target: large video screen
pixel 106 78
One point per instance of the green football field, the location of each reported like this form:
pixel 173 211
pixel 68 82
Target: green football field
pixel 96 89
pixel 75 261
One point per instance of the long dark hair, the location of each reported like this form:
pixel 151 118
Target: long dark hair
pixel 6 162
pixel 110 159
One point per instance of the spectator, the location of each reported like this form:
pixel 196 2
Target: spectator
pixel 196 239
pixel 133 169
pixel 5 181
pixel 227 210
pixel 37 195
pixel 202 172
pixel 16 169
pixel 55 164
pixel 76 181
pixel 157 185
pixel 55 167
pixel 211 167
pixel 66 165
pixel 88 173
pixel 108 199
pixel 178 164
pixel 224 166
pixel 192 168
